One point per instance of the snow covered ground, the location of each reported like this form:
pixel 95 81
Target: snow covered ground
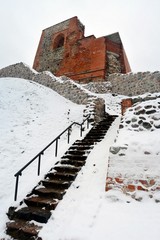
pixel 135 156
pixel 30 117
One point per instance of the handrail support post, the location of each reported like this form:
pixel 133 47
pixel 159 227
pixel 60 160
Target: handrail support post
pixel 81 129
pixel 56 150
pixel 69 132
pixel 39 163
pixel 16 187
pixel 87 123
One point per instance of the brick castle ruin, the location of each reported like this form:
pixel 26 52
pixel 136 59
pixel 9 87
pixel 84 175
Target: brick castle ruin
pixel 101 65
pixel 64 50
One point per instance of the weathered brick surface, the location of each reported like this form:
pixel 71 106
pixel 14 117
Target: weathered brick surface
pixel 125 104
pixel 80 58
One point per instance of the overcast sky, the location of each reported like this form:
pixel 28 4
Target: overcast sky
pixel 137 21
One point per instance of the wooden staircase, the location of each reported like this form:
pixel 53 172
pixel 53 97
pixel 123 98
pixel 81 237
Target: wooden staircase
pixel 49 192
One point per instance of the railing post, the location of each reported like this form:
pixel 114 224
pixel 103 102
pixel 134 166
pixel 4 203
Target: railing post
pixel 56 150
pixel 81 131
pixel 87 123
pixel 16 188
pixel 69 131
pixel 39 163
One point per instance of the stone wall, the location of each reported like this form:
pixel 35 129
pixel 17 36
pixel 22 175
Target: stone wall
pixel 133 84
pixel 113 63
pixel 18 70
pixel 134 157
pixel 63 85
pixel 98 87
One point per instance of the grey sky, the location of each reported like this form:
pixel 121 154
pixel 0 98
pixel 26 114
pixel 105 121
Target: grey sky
pixel 137 21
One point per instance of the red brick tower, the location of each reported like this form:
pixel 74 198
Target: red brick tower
pixel 64 50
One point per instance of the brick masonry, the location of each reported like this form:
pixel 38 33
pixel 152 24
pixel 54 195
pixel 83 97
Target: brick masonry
pixel 64 50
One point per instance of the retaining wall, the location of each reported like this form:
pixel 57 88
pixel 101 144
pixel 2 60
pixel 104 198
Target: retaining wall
pixel 133 84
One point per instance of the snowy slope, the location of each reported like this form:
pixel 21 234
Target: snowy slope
pixel 31 116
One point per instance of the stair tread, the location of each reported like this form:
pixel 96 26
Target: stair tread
pixel 67 168
pixel 77 147
pixel 77 157
pixel 50 190
pixel 73 162
pixel 33 213
pixel 25 226
pixel 57 181
pixel 39 199
pixel 61 174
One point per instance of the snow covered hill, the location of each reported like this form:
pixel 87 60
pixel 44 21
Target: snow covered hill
pixel 31 116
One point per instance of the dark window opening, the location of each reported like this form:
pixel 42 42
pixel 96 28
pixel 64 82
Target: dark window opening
pixel 59 41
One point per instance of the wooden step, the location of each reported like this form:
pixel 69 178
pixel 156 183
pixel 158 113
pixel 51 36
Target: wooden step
pixel 73 157
pixel 61 176
pixel 82 143
pixel 94 137
pixel 97 131
pixel 22 230
pixel 80 147
pixel 91 141
pixel 37 201
pixel 75 152
pixel 67 169
pixel 33 213
pixel 57 184
pixel 50 192
pixel 73 162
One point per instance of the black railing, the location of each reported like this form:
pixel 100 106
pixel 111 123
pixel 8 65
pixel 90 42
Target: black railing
pixel 68 130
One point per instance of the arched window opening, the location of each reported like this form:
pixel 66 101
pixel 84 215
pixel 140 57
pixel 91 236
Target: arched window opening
pixel 59 41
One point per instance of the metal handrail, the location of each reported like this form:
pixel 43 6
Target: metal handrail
pixel 19 173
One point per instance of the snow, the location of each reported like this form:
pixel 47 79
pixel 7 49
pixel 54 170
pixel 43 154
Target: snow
pixel 32 115
pixel 137 143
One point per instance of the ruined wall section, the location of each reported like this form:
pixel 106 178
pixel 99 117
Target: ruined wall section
pixel 133 165
pixel 18 70
pixel 86 60
pixel 135 83
pixel 48 58
pixel 116 59
pixel 113 61
pixel 64 50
